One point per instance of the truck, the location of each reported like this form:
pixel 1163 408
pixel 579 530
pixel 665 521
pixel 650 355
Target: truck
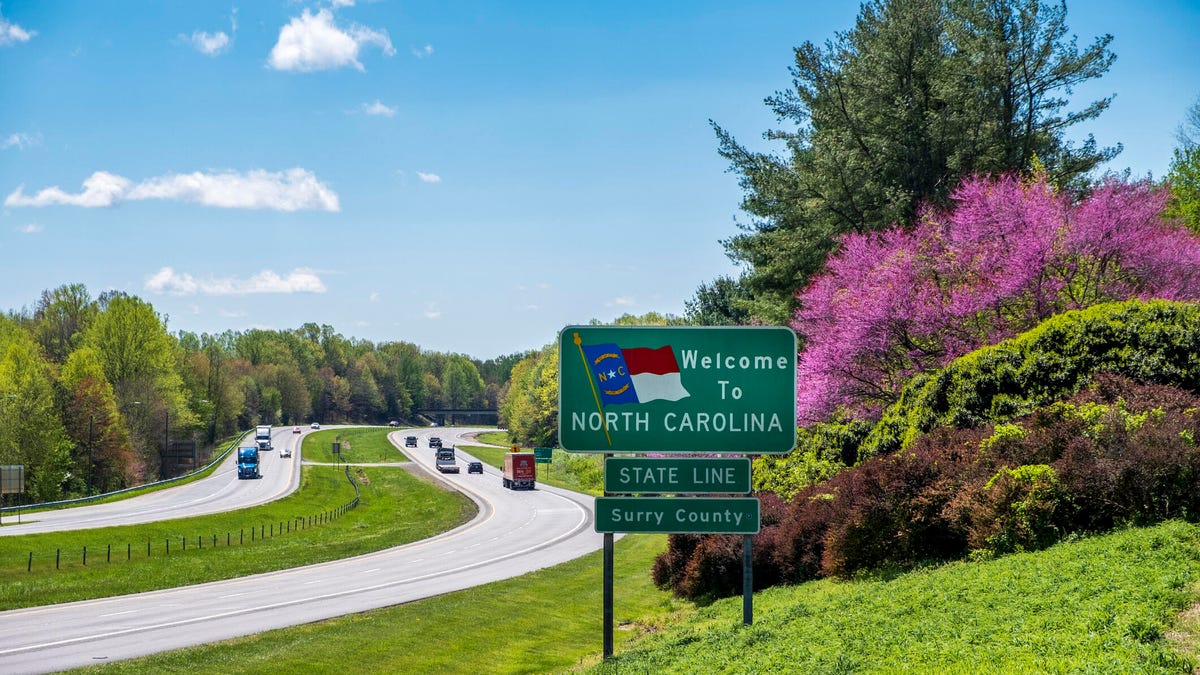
pixel 247 459
pixel 262 437
pixel 445 460
pixel 520 471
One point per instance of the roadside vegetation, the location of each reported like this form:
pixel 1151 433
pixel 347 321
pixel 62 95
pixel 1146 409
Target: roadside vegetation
pixel 557 628
pixel 306 527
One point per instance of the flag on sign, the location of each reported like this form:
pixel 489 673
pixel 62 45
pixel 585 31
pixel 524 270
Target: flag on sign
pixel 634 375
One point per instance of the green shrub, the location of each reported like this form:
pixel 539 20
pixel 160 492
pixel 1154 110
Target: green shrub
pixel 1015 510
pixel 1153 342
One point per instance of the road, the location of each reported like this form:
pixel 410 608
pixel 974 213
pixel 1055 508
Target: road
pixel 217 493
pixel 513 533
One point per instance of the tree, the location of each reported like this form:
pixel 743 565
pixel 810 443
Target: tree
pixel 891 114
pixel 32 434
pixel 1007 255
pixel 724 302
pixel 60 319
pixel 1184 181
pixel 461 382
pixel 103 457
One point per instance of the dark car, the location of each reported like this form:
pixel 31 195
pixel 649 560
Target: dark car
pixel 410 441
pixel 474 467
pixel 435 442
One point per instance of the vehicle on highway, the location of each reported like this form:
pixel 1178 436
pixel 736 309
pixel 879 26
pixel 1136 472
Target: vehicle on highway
pixel 435 442
pixel 285 451
pixel 315 425
pixel 474 467
pixel 445 460
pixel 248 463
pixel 262 437
pixel 296 430
pixel 393 423
pixel 520 471
pixel 410 441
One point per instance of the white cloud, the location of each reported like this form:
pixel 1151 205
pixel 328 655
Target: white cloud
pixel 20 141
pixel 422 52
pixel 31 228
pixel 100 189
pixel 167 280
pixel 378 108
pixel 338 4
pixel 432 312
pixel 11 33
pixel 232 313
pixel 312 42
pixel 622 301
pixel 429 177
pixel 374 297
pixel 212 44
pixel 209 44
pixel 291 190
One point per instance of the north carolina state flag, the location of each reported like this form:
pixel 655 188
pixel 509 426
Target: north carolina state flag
pixel 635 375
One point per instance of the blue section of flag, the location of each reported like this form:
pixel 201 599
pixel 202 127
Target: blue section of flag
pixel 610 374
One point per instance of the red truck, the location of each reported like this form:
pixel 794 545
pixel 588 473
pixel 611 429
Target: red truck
pixel 520 471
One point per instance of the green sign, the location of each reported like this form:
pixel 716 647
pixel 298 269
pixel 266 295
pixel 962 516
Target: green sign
pixel 678 515
pixel 677 389
pixel 677 475
pixel 543 455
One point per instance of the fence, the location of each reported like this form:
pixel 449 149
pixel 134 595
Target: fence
pixel 258 533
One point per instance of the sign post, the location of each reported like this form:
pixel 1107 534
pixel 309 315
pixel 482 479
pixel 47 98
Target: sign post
pixel 677 391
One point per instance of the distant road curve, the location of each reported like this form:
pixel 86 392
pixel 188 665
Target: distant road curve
pixel 514 533
pixel 219 492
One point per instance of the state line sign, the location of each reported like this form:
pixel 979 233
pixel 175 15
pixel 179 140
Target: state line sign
pixel 677 389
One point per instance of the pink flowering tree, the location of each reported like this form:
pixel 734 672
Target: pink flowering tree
pixel 1007 255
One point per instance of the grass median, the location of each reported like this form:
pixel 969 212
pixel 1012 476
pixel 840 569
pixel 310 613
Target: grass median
pixel 306 527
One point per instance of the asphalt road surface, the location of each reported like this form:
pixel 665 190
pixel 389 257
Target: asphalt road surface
pixel 219 492
pixel 514 533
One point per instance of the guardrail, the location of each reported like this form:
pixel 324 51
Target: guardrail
pixel 78 501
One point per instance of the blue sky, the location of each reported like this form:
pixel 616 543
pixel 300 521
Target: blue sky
pixel 467 176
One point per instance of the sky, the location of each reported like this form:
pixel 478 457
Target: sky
pixel 467 176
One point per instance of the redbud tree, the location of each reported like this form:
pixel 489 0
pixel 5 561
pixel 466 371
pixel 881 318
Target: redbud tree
pixel 1006 255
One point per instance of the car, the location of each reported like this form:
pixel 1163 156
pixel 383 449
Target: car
pixel 285 452
pixel 410 441
pixel 315 425
pixel 474 467
pixel 435 442
pixel 393 423
pixel 296 430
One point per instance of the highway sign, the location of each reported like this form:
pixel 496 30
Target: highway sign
pixel 678 515
pixel 543 455
pixel 677 475
pixel 677 389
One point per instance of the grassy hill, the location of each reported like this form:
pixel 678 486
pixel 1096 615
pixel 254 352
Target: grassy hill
pixel 1102 604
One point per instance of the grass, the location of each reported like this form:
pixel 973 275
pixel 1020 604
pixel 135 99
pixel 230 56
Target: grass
pixel 1103 604
pixel 364 445
pixel 297 530
pixel 547 621
pixel 581 473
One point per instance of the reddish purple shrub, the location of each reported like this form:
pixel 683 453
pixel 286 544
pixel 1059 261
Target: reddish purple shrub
pixel 1007 256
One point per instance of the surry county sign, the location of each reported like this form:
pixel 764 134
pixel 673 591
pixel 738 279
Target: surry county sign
pixel 677 389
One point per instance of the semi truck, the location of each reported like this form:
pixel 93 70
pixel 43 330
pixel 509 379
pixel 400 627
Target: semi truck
pixel 247 459
pixel 520 471
pixel 262 436
pixel 445 460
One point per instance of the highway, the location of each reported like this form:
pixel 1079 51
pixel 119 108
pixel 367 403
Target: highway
pixel 217 493
pixel 513 533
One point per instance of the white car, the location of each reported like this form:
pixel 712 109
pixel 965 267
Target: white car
pixel 285 452
pixel 315 425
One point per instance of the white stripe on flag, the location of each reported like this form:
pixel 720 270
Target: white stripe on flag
pixel 651 387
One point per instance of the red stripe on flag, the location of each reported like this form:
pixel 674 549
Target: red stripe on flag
pixel 645 360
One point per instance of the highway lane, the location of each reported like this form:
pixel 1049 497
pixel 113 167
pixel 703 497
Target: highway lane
pixel 219 492
pixel 513 533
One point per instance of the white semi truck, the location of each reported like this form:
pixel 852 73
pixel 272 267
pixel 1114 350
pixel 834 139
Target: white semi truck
pixel 262 437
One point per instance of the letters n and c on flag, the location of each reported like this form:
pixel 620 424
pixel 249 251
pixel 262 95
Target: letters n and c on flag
pixel 634 375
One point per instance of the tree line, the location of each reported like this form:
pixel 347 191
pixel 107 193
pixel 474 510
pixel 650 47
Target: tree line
pixel 94 390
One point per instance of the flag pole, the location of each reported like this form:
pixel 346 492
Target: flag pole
pixel 599 408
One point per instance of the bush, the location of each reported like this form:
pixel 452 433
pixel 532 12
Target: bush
pixel 1117 453
pixel 1151 342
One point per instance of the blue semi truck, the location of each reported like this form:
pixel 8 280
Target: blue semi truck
pixel 248 463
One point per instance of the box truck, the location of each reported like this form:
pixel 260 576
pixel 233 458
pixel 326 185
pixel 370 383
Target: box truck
pixel 520 471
